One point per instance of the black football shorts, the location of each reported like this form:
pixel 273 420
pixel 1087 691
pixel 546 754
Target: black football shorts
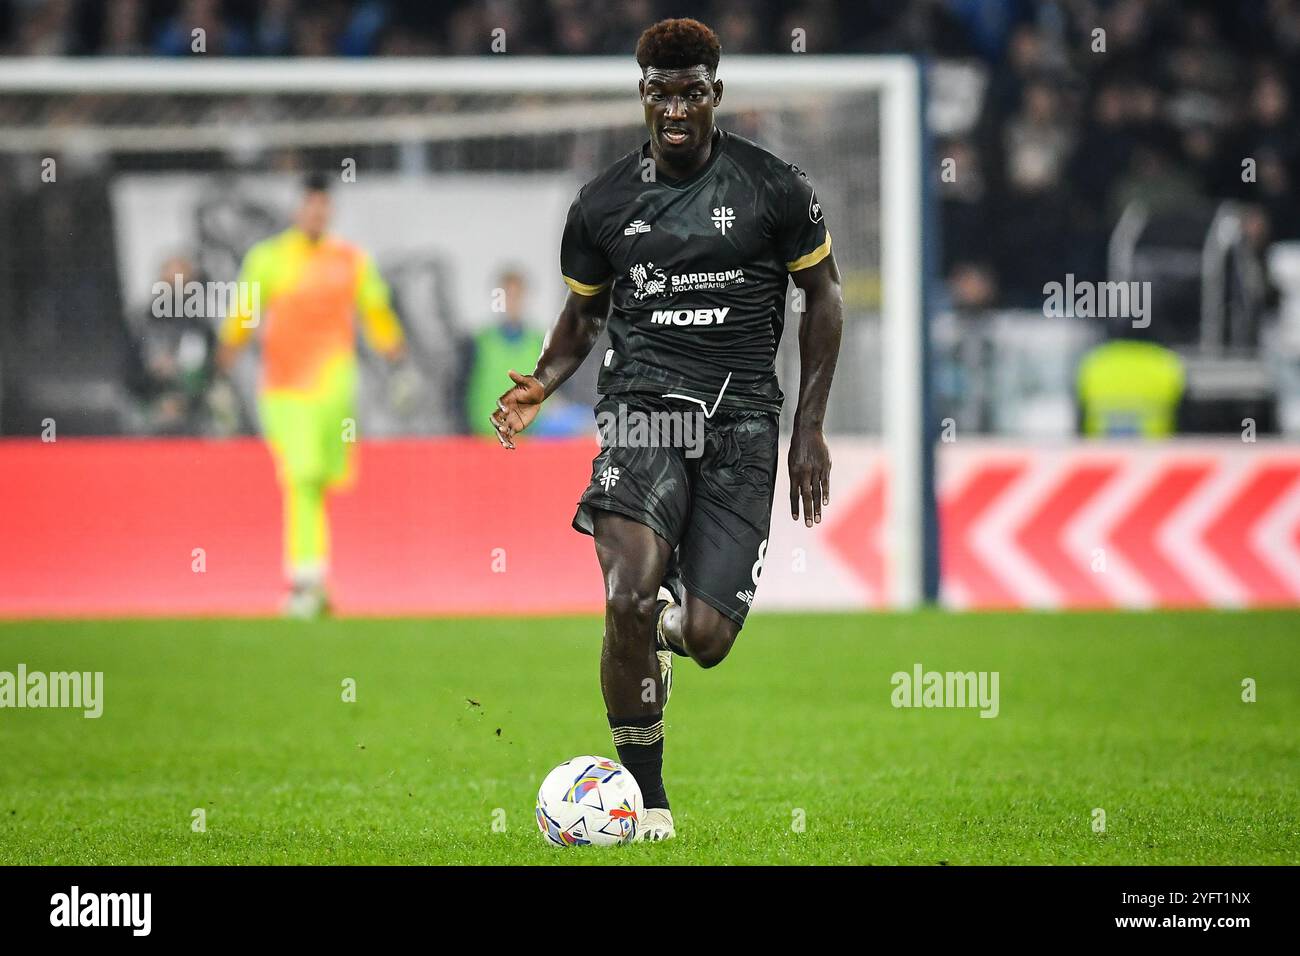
pixel 703 484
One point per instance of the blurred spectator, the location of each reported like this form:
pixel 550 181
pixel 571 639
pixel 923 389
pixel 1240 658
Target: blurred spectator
pixel 736 22
pixel 973 286
pixel 1270 124
pixel 316 32
pixel 220 34
pixel 508 343
pixel 123 29
pixel 819 22
pixel 987 23
pixel 172 362
pixel 1033 243
pixel 1129 388
pixel 1038 140
pixel 42 28
pixel 575 27
pixel 1128 25
pixel 1156 179
pixel 1200 67
pixel 273 30
pixel 1027 58
pixel 963 195
pixel 1105 144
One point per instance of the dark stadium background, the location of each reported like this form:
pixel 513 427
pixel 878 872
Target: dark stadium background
pixel 1054 143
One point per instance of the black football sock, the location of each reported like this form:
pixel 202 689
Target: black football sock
pixel 640 745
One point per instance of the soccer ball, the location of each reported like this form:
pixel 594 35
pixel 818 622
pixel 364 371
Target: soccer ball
pixel 589 801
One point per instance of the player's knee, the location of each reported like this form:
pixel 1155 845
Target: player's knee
pixel 708 642
pixel 632 611
pixel 711 654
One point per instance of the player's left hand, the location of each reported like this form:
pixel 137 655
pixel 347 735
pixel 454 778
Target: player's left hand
pixel 810 474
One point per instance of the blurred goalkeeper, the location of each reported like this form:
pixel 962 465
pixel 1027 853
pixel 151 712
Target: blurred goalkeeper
pixel 300 291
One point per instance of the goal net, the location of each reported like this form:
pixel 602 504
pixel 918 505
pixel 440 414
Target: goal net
pixel 451 173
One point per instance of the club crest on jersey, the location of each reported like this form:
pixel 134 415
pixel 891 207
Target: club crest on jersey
pixel 723 216
pixel 609 477
pixel 814 208
pixel 649 280
pixel 636 227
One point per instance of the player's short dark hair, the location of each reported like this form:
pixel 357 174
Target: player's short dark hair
pixel 678 44
pixel 315 183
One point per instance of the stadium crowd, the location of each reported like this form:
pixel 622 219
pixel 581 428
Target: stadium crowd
pixel 1068 132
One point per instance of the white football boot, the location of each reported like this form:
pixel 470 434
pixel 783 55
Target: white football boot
pixel 664 655
pixel 306 601
pixel 306 604
pixel 656 825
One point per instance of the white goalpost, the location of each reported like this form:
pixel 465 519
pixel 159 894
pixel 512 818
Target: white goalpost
pixel 590 93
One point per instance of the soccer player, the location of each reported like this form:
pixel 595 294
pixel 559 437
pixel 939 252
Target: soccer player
pixel 300 291
pixel 687 245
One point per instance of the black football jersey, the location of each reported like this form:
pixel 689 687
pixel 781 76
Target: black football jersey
pixel 699 269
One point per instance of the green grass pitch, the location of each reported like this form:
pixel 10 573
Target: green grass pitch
pixel 457 721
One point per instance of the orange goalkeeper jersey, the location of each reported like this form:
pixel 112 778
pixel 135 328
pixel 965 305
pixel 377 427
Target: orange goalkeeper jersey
pixel 302 297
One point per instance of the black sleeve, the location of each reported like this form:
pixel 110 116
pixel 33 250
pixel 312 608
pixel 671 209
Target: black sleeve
pixel 582 263
pixel 802 239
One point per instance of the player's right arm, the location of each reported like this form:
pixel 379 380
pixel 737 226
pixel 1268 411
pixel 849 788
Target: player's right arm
pixel 589 276
pixel 568 342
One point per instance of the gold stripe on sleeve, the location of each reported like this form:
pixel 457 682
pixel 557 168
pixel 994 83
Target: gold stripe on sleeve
pixel 812 258
pixel 583 288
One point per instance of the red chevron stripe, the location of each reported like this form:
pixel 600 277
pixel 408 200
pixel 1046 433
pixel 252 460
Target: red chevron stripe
pixel 856 536
pixel 1228 536
pixel 1134 534
pixel 1040 535
pixel 957 516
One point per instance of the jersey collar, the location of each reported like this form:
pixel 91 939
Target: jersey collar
pixel 299 237
pixel 719 142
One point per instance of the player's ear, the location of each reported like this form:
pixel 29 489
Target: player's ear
pixel 717 92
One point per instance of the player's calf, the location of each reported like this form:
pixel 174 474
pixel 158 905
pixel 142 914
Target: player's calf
pixel 635 710
pixel 632 559
pixel 630 650
pixel 704 632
